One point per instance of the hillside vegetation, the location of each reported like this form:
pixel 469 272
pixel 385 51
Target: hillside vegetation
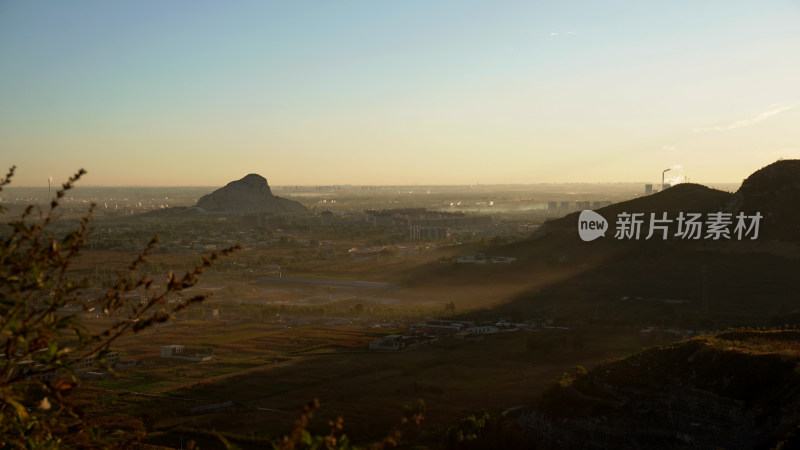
pixel 736 389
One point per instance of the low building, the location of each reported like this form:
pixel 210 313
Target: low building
pixel 88 362
pixel 436 329
pixel 502 259
pixel 475 258
pixel 168 351
pixel 488 329
pixel 394 342
pixel 388 343
pixel 178 350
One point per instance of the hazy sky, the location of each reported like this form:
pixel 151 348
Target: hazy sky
pixel 397 92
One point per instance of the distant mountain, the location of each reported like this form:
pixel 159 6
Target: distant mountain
pixel 734 390
pixel 773 191
pixel 684 197
pixel 691 283
pixel 249 195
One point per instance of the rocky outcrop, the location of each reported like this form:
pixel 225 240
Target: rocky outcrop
pixel 249 195
pixel 734 390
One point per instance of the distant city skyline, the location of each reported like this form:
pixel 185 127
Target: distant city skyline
pixel 186 93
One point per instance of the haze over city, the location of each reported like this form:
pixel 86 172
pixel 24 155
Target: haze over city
pixel 188 93
pixel 450 225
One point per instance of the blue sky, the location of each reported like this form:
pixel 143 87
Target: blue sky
pixel 458 92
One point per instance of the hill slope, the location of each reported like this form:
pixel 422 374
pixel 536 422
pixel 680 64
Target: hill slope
pixel 773 191
pixel 738 389
pixel 685 197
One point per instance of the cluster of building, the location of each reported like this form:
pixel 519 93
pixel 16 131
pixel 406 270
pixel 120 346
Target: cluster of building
pixel 178 351
pixel 430 331
pixel 267 220
pixel 480 258
pixel 650 190
pixel 400 342
pixel 566 207
pixel 424 225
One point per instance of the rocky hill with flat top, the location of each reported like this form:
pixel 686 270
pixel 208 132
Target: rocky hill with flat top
pixel 249 195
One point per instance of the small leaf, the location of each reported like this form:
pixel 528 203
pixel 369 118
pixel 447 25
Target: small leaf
pixel 306 437
pixel 18 406
pixel 64 385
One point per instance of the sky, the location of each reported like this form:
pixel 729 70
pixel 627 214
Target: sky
pixel 396 92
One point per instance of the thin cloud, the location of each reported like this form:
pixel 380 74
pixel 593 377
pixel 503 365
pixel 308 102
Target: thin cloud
pixel 747 122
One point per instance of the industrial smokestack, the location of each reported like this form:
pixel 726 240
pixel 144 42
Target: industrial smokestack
pixel 662 177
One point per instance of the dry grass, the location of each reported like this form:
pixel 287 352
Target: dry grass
pixel 368 389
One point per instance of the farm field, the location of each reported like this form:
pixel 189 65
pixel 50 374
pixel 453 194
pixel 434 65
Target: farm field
pixel 269 374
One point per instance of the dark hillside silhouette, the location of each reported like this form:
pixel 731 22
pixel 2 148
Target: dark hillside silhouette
pixel 690 283
pixel 774 191
pixel 249 195
pixel 736 390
